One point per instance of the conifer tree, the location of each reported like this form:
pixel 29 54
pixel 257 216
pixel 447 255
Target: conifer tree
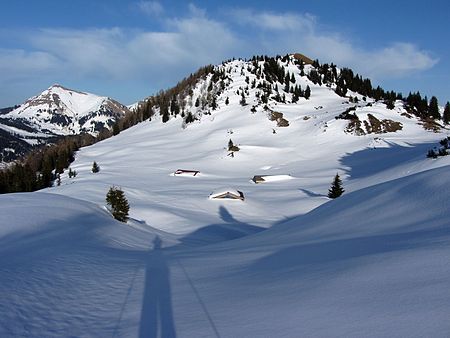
pixel 446 116
pixel 336 188
pixel 227 101
pixel 230 144
pixel 292 78
pixel 189 118
pixel 214 103
pixel 232 147
pixel 95 167
pixel 431 154
pixel 307 93
pixel 115 198
pixel 243 102
pixel 165 117
pixel 433 109
pixel 116 128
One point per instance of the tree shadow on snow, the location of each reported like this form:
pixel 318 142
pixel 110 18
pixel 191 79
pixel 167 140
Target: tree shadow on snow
pixel 310 193
pixel 214 233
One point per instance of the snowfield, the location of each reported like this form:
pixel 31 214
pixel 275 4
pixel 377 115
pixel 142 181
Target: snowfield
pixel 284 262
pixel 372 263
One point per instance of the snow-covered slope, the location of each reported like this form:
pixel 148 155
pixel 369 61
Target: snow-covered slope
pixel 58 111
pixel 372 263
pixel 284 262
pixel 311 150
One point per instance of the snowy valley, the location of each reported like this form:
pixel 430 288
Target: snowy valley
pixel 282 261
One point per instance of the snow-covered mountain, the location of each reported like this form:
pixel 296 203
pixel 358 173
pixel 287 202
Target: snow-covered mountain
pixel 301 144
pixel 56 112
pixel 282 86
pixel 283 261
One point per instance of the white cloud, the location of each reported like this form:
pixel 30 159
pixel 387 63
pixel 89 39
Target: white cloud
pixel 396 60
pixel 16 64
pixel 152 8
pixel 123 54
pixel 275 21
pixel 184 44
pixel 290 32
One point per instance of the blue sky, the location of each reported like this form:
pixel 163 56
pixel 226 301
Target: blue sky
pixel 129 50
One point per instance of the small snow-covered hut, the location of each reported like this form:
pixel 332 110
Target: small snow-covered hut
pixel 227 194
pixel 270 178
pixel 183 172
pixel 258 179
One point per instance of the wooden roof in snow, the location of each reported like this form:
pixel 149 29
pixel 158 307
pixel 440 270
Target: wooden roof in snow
pixel 186 172
pixel 230 194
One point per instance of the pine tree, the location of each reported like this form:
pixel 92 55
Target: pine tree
pixel 116 128
pixel 433 109
pixel 230 144
pixel 431 154
pixel 165 117
pixel 243 102
pixel 336 189
pixel 118 203
pixel 286 87
pixel 307 93
pixel 446 116
pixel 95 167
pixel 227 101
pixel 214 103
pixel 232 147
pixel 189 118
pixel 174 107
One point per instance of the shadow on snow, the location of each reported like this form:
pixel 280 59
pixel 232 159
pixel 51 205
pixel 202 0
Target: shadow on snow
pixel 41 265
pixel 157 300
pixel 371 161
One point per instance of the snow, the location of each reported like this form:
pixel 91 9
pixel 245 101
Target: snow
pixel 311 150
pixel 23 133
pixel 286 262
pixel 275 178
pixel 73 105
pixel 371 262
pixel 76 103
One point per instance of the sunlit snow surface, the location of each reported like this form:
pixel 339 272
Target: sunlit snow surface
pixel 285 262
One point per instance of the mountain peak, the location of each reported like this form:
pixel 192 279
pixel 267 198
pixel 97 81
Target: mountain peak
pixel 60 111
pixel 58 88
pixel 304 58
